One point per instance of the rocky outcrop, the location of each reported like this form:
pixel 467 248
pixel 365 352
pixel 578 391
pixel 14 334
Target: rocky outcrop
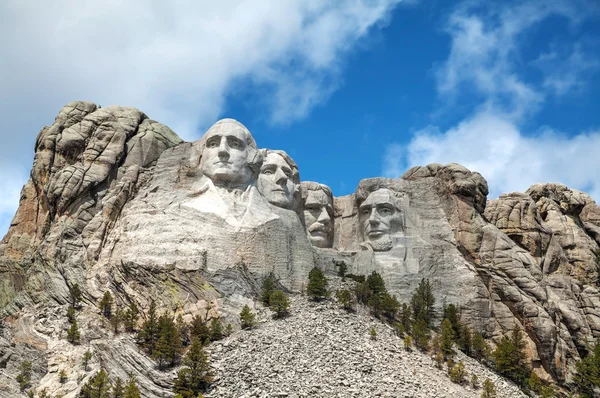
pixel 117 202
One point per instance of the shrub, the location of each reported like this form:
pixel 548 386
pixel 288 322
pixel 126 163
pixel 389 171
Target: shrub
pixel 344 296
pixel 447 339
pixel 216 330
pixel 458 373
pixel 131 389
pixel 373 333
pixel 474 381
pixel 75 295
pixel 73 335
pixel 24 376
pixel 106 304
pixel 246 317
pixel 407 343
pixel 489 389
pixel 267 289
pixel 279 303
pixel 86 359
pixel 317 284
pixel 62 377
pixel 71 314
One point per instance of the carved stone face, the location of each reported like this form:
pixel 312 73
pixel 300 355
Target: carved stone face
pixel 275 181
pixel 379 218
pixel 318 214
pixel 225 156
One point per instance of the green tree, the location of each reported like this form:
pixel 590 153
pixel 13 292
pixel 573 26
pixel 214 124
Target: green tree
pixel 542 389
pixel 131 317
pixel 195 376
pixel 86 359
pixel 267 289
pixel 587 373
pixel 106 304
pixel 149 333
pixel 458 373
pixel 407 343
pixel 118 390
pixel 75 295
pixel 422 302
pixel 62 377
pixel 279 303
pixel 363 292
pixel 421 334
pixel 481 349
pixel 216 330
pixel 117 319
pixel 489 389
pixel 405 318
pixel 344 297
pixel 167 350
pixel 70 314
pixel 510 358
pixel 183 330
pixel 474 381
pixel 96 387
pixel 73 335
pixel 465 340
pixel 342 268
pixel 373 334
pixel 317 285
pixel 24 376
pixel 451 314
pixel 199 329
pixel 447 339
pixel 246 317
pixel 131 389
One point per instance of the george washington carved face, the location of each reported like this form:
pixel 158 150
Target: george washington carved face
pixel 228 153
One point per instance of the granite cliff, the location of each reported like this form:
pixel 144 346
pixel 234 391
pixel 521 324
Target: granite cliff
pixel 117 202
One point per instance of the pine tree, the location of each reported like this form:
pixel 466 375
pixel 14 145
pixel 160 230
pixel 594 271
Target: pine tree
pixel 317 284
pixel 363 292
pixel 228 330
pixel 131 317
pixel 62 377
pixel 167 350
pixel 267 289
pixel 376 284
pixel 345 298
pixel 421 334
pixel 106 304
pixel 458 373
pixel 117 319
pixel 489 389
pixel 96 387
pixel 474 381
pixel 148 335
pixel 451 313
pixel 447 339
pixel 510 358
pixel 216 330
pixel 422 302
pixel 199 329
pixel 279 303
pixel 481 349
pixel 587 373
pixel 373 334
pixel 246 317
pixel 73 335
pixel 195 376
pixel 407 343
pixel 118 389
pixel 131 389
pixel 183 330
pixel 71 314
pixel 75 295
pixel 465 340
pixel 86 359
pixel 405 318
pixel 24 376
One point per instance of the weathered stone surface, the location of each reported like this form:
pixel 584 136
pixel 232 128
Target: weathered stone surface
pixel 117 202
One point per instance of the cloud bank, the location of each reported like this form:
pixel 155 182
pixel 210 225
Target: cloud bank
pixel 176 61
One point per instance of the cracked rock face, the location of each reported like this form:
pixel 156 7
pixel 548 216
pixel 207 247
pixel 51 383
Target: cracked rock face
pixel 119 202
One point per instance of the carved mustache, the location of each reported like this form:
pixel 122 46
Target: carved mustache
pixel 320 227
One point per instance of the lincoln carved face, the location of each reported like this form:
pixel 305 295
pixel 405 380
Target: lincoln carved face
pixel 380 216
pixel 278 179
pixel 318 214
pixel 228 151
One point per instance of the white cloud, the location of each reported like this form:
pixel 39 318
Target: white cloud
pixel 485 59
pixel 176 61
pixel 509 160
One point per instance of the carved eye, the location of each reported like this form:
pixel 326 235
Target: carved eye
pixel 212 144
pixel 366 212
pixel 267 171
pixel 385 211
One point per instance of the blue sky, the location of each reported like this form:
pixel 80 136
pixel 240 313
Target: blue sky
pixel 350 90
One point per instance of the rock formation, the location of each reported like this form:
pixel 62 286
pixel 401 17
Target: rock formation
pixel 117 202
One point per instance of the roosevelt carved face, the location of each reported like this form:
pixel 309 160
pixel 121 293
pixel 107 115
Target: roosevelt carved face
pixel 225 155
pixel 380 217
pixel 318 218
pixel 275 181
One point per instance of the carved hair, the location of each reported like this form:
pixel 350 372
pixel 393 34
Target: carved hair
pixel 364 191
pixel 288 160
pixel 306 186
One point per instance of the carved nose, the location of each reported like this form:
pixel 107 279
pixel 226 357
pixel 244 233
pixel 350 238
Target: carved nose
pixel 324 216
pixel 280 177
pixel 223 149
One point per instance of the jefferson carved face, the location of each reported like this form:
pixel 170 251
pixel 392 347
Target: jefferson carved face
pixel 225 155
pixel 380 216
pixel 276 181
pixel 318 215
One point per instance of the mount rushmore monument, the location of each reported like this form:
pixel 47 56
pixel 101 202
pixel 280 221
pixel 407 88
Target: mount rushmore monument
pixel 118 202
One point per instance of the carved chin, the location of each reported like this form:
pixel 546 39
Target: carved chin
pixel 382 244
